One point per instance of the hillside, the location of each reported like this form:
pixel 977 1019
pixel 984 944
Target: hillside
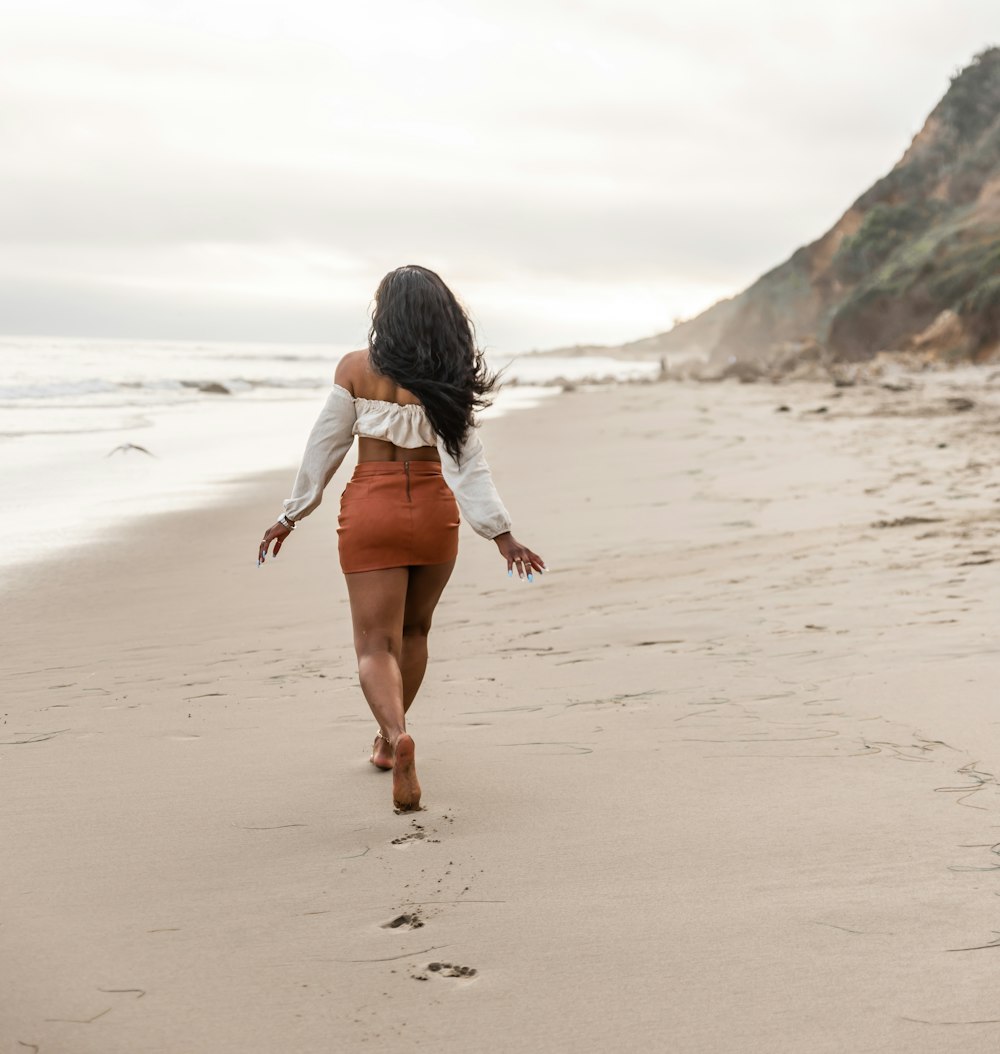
pixel 913 264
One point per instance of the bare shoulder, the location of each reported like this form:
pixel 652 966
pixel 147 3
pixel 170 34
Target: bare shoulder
pixel 355 373
pixel 352 371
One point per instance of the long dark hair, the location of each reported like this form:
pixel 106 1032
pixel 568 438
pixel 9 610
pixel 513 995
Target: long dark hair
pixel 422 339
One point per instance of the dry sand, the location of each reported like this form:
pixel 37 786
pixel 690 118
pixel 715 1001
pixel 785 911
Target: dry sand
pixel 724 781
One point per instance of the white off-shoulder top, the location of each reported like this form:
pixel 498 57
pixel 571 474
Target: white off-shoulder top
pixel 406 425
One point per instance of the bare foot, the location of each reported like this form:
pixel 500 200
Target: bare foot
pixel 405 786
pixel 381 754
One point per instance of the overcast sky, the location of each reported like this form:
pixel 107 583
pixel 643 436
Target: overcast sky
pixel 578 171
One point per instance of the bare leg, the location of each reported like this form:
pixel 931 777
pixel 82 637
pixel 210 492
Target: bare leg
pixel 422 595
pixel 378 599
pixel 423 591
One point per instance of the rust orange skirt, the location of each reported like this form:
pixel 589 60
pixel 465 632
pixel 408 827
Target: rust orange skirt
pixel 397 514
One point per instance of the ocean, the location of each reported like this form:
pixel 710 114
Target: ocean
pixel 97 432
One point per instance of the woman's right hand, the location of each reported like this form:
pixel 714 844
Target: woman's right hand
pixel 520 555
pixel 277 534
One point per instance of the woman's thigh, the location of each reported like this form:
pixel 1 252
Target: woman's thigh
pixel 378 600
pixel 423 591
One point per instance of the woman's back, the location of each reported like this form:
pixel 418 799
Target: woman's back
pixel 364 383
pixel 377 398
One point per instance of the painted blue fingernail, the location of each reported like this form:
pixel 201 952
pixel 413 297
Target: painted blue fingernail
pixel 530 578
pixel 510 574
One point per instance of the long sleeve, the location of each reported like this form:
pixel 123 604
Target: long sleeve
pixel 472 485
pixel 329 441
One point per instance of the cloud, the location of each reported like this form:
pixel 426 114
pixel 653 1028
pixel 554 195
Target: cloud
pixel 181 165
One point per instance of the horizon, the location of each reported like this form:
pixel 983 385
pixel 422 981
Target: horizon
pixel 212 173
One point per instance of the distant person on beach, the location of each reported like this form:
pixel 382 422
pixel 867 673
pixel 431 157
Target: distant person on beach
pixel 410 397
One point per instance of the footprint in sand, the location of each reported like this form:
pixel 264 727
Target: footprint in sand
pixel 418 834
pixel 409 921
pixel 408 839
pixel 452 970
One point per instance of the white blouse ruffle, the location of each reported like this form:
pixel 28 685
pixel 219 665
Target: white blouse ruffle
pixel 405 425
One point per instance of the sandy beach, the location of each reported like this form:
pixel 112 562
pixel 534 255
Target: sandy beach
pixel 725 780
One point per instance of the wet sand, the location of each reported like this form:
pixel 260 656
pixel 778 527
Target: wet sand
pixel 725 780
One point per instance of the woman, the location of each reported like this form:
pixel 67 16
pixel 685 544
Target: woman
pixel 410 398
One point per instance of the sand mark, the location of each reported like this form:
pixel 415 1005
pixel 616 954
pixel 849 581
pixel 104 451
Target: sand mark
pixel 137 992
pixel 418 834
pixel 452 970
pixel 33 737
pixel 410 920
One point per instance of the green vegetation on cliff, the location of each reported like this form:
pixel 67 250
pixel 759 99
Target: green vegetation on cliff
pixel 884 229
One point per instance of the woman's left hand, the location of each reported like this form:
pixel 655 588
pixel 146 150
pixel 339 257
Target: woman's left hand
pixel 519 556
pixel 277 534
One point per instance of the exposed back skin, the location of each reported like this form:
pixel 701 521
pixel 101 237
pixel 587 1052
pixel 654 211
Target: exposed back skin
pixel 354 373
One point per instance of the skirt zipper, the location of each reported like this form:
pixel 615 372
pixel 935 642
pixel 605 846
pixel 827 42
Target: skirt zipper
pixel 406 469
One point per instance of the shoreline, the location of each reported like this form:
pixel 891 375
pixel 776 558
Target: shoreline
pixel 131 510
pixel 725 748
